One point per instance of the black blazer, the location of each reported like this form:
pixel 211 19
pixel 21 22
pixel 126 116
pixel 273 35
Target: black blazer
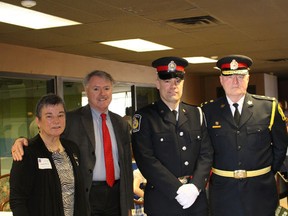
pixel 79 128
pixel 37 192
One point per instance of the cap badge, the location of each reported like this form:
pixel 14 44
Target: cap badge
pixel 234 65
pixel 172 66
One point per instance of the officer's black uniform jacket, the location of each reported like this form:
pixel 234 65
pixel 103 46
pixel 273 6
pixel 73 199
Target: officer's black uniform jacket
pixel 164 152
pixel 251 146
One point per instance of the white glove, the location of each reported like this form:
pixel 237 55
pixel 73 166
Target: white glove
pixel 187 194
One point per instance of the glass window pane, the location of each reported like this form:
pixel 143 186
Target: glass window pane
pixel 120 101
pixel 18 97
pixel 72 94
pixel 145 96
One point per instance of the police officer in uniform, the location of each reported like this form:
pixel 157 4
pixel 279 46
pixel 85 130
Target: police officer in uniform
pixel 173 151
pixel 250 140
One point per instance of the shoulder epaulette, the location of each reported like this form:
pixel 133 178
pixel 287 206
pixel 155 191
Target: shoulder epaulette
pixel 199 109
pixel 189 104
pixel 206 102
pixel 273 108
pixel 262 97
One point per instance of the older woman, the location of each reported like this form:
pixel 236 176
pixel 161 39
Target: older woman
pixel 47 181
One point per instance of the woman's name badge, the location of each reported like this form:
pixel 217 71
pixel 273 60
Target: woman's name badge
pixel 44 163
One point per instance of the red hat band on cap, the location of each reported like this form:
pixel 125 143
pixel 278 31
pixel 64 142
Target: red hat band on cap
pixel 229 66
pixel 234 64
pixel 166 68
pixel 170 67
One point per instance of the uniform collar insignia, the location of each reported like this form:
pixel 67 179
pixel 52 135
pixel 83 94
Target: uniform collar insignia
pixel 222 105
pixel 184 110
pixel 250 103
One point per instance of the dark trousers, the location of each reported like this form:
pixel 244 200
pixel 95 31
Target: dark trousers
pixel 105 200
pixel 199 208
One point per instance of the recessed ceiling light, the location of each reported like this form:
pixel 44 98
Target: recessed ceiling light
pixel 200 60
pixel 136 45
pixel 28 3
pixel 20 16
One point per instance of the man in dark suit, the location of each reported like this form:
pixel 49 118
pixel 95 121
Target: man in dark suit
pixel 173 152
pixel 84 127
pixel 250 140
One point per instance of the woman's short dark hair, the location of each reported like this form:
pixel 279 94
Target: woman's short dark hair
pixel 49 99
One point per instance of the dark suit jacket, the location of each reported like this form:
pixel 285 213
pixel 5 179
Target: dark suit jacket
pixel 164 152
pixel 79 128
pixel 37 192
pixel 250 146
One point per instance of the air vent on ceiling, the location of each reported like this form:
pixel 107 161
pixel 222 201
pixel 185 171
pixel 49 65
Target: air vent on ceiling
pixel 278 60
pixel 199 20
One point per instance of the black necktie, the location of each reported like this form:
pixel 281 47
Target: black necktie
pixel 236 113
pixel 175 114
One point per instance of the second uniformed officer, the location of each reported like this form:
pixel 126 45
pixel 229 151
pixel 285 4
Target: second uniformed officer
pixel 250 140
pixel 173 151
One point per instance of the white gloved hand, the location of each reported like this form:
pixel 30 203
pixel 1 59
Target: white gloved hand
pixel 187 194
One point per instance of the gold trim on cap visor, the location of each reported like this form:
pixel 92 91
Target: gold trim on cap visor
pixel 232 72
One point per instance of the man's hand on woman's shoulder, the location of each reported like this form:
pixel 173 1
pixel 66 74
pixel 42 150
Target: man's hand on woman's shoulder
pixel 17 148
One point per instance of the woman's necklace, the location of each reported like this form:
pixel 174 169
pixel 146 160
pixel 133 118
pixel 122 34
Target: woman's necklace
pixel 55 150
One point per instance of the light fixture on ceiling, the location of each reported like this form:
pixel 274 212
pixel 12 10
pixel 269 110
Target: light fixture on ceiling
pixel 200 60
pixel 136 45
pixel 25 17
pixel 28 3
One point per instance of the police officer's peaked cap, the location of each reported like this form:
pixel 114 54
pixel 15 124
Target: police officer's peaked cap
pixel 170 67
pixel 234 64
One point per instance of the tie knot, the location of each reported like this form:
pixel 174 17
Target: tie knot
pixel 103 116
pixel 236 105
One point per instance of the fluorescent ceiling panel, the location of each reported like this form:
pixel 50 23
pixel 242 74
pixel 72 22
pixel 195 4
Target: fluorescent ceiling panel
pixel 20 16
pixel 200 60
pixel 137 45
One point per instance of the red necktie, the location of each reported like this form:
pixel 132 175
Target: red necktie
pixel 109 164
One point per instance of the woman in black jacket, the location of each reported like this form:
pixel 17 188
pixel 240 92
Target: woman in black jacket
pixel 48 181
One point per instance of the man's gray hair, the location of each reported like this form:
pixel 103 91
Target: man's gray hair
pixel 98 73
